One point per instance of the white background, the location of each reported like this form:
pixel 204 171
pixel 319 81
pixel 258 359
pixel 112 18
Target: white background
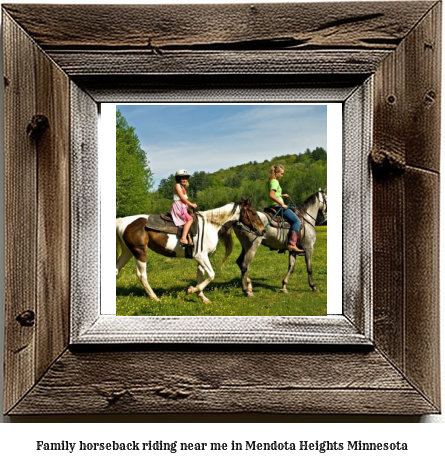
pixel 18 437
pixel 107 146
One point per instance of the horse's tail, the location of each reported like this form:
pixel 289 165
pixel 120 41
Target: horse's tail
pixel 225 235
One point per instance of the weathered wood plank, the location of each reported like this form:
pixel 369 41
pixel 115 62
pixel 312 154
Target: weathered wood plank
pixel 85 211
pixel 423 92
pixel 78 63
pixel 218 382
pixel 422 259
pixel 400 376
pixel 347 25
pixel 219 87
pixel 53 228
pixel 388 231
pixel 20 213
pixel 406 205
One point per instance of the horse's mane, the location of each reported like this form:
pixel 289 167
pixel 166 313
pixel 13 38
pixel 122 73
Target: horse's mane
pixel 311 200
pixel 218 215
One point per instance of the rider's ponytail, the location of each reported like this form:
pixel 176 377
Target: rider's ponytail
pixel 274 170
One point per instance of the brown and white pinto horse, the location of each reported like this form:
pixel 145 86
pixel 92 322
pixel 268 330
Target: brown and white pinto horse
pixel 134 240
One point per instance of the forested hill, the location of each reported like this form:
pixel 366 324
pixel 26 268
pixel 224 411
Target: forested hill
pixel 304 174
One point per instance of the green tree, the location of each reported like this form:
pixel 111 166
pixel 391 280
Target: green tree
pixel 199 181
pixel 319 154
pixel 134 178
pixel 166 187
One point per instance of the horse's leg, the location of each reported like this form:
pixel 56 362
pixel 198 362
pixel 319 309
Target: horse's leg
pixel 125 255
pixel 308 258
pixel 244 261
pixel 123 258
pixel 290 270
pixel 249 248
pixel 142 275
pixel 204 266
pixel 246 283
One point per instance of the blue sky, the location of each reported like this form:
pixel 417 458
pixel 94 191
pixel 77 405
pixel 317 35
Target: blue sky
pixel 212 137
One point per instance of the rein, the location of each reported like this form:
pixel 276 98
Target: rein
pixel 323 201
pixel 278 211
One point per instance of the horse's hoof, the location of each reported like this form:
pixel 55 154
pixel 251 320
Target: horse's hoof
pixel 155 299
pixel 206 301
pixel 190 290
pixel 249 294
pixel 314 289
pixel 284 291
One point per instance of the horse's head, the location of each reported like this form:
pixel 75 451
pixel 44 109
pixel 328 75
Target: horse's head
pixel 249 216
pixel 323 202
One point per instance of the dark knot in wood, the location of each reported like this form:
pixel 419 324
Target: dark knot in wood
pixel 173 393
pixel 114 397
pixel 37 126
pixel 387 162
pixel 26 318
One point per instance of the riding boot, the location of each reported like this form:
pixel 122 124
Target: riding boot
pixel 292 244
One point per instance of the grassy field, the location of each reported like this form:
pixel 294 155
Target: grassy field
pixel 170 278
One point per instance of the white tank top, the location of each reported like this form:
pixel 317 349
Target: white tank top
pixel 176 196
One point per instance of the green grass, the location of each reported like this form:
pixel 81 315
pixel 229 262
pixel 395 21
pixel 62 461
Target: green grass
pixel 170 277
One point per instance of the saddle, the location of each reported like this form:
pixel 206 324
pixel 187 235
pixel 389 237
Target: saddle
pixel 164 223
pixel 277 222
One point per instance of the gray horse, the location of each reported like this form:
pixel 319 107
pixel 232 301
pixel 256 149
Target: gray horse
pixel 275 238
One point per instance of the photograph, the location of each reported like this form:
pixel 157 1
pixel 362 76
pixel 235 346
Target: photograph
pixel 213 183
pixel 229 302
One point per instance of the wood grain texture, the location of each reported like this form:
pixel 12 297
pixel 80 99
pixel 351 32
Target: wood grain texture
pixel 225 39
pixel 277 46
pixel 40 272
pixel 218 88
pixel 129 63
pixel 357 209
pixel 406 208
pixel 158 27
pixel 222 382
pixel 422 364
pixel 85 208
pixel 53 226
pixel 423 91
pixel 20 213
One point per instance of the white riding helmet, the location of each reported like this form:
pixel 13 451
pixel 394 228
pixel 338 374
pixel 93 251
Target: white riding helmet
pixel 182 173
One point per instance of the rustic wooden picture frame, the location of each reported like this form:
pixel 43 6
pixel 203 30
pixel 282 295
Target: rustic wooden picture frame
pixel 59 68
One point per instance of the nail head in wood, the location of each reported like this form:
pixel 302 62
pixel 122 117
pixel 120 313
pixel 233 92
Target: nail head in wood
pixel 430 97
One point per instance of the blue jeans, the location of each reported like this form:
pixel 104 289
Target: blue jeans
pixel 293 219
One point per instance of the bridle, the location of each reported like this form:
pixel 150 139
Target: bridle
pixel 324 201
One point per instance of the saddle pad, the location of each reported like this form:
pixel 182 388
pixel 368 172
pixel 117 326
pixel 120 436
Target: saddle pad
pixel 158 223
